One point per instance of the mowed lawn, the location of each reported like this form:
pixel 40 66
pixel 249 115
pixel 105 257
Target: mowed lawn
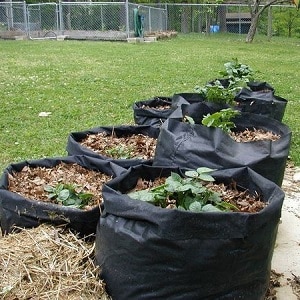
pixel 85 84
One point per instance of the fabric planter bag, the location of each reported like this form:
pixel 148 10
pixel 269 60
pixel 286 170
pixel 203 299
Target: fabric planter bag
pixel 186 98
pixel 197 102
pixel 16 210
pixel 262 102
pixel 148 252
pixel 74 147
pixel 260 86
pixel 196 110
pixel 152 112
pixel 186 146
pixel 223 81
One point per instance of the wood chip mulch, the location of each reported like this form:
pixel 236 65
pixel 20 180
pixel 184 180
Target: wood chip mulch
pixel 136 146
pixel 253 135
pixel 158 107
pixel 30 182
pixel 242 199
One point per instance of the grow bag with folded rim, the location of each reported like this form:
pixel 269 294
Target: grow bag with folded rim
pixel 16 210
pixel 195 99
pixel 147 252
pixel 186 146
pixel 150 115
pixel 262 102
pixel 74 146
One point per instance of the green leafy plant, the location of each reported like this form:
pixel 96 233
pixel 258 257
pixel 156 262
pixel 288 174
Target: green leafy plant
pixel 221 119
pixel 120 152
pixel 185 193
pixel 236 74
pixel 217 93
pixel 67 195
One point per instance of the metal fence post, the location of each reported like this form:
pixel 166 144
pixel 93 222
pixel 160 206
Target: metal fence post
pixel 127 19
pixel 25 19
pixel 60 14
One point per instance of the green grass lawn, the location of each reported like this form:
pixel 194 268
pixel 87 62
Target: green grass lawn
pixel 85 84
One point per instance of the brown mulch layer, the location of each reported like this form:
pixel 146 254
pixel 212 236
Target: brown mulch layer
pixel 30 182
pixel 133 146
pixel 243 200
pixel 253 135
pixel 48 263
pixel 158 107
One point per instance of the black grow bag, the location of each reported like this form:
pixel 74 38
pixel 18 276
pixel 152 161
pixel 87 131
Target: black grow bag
pixel 146 112
pixel 260 86
pixel 196 110
pixel 184 145
pixel 186 98
pixel 15 210
pixel 148 252
pixel 262 102
pixel 74 146
pixel 197 102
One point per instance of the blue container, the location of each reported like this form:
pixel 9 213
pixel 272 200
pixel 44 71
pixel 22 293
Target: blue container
pixel 214 28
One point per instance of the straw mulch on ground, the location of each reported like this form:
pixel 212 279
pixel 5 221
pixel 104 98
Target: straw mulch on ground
pixel 48 263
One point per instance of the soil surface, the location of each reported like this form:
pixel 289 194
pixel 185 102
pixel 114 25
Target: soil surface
pixel 133 146
pixel 30 182
pixel 253 135
pixel 157 107
pixel 241 199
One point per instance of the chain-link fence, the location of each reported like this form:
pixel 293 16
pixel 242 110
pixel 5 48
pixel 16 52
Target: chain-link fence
pixel 115 20
pixel 78 20
pixel 281 20
pixel 43 20
pixel 13 20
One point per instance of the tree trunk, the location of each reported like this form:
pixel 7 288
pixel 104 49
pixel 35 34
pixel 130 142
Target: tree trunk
pixel 252 29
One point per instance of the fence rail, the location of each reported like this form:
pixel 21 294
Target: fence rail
pixel 115 20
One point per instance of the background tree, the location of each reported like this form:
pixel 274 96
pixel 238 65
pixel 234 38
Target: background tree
pixel 257 7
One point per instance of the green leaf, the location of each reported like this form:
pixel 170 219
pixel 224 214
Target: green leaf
pixel 185 187
pixel 49 188
pixel 181 208
pixel 64 194
pixel 206 177
pixel 210 208
pixel 202 170
pixel 215 197
pixel 189 119
pixel 192 174
pixel 175 177
pixel 85 196
pixel 143 195
pixel 52 196
pixel 186 201
pixel 227 206
pixel 195 207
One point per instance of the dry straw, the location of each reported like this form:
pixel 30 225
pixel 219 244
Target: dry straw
pixel 48 263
